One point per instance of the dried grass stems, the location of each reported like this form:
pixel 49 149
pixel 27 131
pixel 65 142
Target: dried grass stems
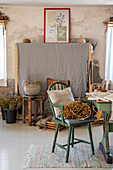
pixel 11 101
pixel 76 110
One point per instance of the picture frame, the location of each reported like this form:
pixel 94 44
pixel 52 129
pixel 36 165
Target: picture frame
pixel 56 25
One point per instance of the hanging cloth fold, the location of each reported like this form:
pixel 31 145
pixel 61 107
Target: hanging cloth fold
pixel 109 57
pixel 3 64
pixel 109 60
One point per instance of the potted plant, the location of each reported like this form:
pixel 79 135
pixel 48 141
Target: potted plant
pixel 11 102
pixel 4 106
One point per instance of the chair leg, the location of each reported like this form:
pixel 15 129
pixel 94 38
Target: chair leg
pixel 68 144
pixel 55 138
pixel 91 139
pixel 72 136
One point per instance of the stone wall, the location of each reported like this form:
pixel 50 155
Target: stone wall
pixel 10 87
pixel 28 22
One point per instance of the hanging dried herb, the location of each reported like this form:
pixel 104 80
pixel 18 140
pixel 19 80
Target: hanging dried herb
pixel 76 110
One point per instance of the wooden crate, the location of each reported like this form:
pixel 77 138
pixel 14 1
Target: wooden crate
pixel 52 126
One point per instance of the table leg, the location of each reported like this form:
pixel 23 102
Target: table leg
pixel 35 112
pixel 104 144
pixel 29 111
pixel 23 111
pixel 41 105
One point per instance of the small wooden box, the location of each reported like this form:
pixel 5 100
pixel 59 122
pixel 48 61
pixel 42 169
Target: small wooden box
pixel 52 126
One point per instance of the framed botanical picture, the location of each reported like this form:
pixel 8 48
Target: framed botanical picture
pixel 56 25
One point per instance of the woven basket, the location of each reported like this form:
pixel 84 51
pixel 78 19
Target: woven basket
pixel 32 87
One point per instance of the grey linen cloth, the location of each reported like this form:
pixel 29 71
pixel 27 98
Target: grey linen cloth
pixel 37 61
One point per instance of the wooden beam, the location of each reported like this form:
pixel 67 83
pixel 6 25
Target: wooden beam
pixel 107 25
pixel 108 22
pixel 16 75
pixel 5 25
pixel 2 21
pixel 16 70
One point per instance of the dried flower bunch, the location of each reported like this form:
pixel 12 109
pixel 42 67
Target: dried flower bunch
pixel 11 101
pixel 3 103
pixel 76 110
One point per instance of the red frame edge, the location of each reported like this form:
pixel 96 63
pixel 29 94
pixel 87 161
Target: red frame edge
pixel 45 23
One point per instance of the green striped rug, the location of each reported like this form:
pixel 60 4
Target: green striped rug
pixel 80 157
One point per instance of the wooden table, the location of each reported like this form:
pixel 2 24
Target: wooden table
pixel 30 99
pixel 106 108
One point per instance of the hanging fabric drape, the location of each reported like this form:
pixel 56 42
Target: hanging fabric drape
pixel 109 60
pixel 109 57
pixel 3 65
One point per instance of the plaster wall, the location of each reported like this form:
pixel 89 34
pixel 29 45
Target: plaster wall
pixel 28 21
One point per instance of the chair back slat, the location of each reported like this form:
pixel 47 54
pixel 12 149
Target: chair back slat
pixel 57 86
pixel 54 87
pixel 62 87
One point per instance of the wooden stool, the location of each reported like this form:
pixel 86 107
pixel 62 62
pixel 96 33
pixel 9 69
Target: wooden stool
pixel 29 99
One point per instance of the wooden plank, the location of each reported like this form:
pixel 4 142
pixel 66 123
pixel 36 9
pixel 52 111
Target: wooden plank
pixel 16 70
pixel 52 126
pixel 35 109
pixel 108 22
pixel 54 129
pixel 101 101
pixel 52 123
pixel 2 21
pixel 91 88
pixel 41 105
pixel 51 129
pixel 23 111
pixel 107 25
pixel 16 75
pixel 29 111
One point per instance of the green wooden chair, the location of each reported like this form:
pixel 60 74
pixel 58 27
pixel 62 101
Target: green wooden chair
pixel 70 123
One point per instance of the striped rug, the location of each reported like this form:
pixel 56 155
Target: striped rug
pixel 80 157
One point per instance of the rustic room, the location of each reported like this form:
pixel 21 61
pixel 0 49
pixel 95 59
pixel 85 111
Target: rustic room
pixel 56 84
